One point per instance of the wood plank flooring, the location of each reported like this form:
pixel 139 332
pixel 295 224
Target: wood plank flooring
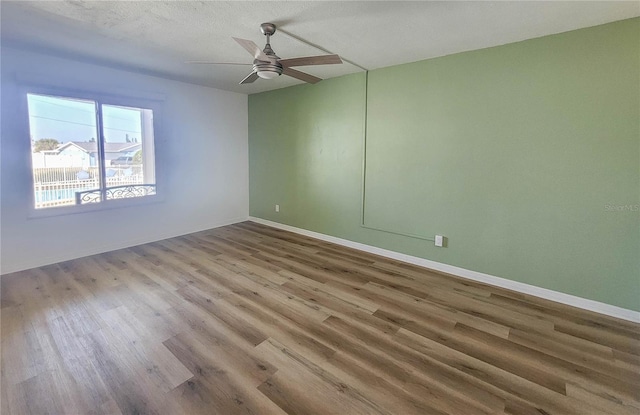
pixel 248 319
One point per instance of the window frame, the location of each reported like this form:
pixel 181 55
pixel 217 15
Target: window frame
pixel 135 101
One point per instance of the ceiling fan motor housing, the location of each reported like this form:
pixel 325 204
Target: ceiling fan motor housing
pixel 267 70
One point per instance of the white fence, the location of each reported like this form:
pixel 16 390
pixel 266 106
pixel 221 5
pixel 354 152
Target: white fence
pixel 58 186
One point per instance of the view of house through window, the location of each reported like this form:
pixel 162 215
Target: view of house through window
pixel 84 151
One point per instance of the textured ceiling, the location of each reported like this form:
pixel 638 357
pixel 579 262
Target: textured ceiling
pixel 156 37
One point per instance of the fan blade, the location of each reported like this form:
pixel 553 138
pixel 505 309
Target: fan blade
pixel 249 78
pixel 301 75
pixel 215 63
pixel 253 49
pixel 311 60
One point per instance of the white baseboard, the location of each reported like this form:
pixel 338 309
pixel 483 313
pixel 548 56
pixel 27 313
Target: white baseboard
pixel 544 293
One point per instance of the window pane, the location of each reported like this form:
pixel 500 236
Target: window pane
pixel 128 151
pixel 76 162
pixel 64 149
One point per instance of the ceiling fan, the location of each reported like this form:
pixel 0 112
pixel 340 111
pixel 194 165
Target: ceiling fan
pixel 268 65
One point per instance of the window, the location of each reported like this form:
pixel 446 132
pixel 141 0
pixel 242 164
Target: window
pixel 89 151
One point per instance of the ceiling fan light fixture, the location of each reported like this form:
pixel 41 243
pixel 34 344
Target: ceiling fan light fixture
pixel 268 74
pixel 267 70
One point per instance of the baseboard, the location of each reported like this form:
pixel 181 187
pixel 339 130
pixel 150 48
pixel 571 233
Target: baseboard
pixel 98 249
pixel 568 299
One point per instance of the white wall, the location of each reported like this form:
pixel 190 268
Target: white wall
pixel 203 157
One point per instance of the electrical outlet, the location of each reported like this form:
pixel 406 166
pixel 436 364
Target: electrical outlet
pixel 439 240
pixel 277 208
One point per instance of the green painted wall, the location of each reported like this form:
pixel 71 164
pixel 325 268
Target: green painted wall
pixel 526 156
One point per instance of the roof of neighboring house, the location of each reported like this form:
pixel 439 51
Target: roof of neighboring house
pixel 92 146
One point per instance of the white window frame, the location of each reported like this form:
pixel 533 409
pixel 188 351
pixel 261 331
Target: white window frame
pixel 101 98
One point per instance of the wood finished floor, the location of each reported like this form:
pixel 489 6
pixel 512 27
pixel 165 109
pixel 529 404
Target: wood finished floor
pixel 248 319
